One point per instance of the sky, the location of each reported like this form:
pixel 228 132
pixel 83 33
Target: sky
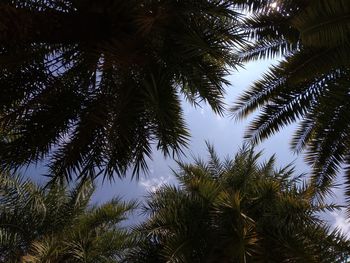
pixel 226 135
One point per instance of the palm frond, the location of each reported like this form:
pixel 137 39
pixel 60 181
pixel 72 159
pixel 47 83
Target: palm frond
pixel 56 223
pixel 247 212
pixel 100 81
pixel 324 23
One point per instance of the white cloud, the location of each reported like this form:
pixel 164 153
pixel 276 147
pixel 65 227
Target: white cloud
pixel 153 184
pixel 341 222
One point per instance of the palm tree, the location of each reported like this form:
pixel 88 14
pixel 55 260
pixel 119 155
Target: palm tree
pixel 57 224
pixel 237 210
pixel 89 86
pixel 310 84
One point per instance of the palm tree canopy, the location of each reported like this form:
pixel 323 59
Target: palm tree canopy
pixel 237 210
pixel 90 86
pixel 57 224
pixel 311 84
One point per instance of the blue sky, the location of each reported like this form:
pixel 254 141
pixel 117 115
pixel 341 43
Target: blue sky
pixel 224 133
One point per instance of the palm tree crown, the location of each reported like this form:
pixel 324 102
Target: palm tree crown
pixel 237 210
pixel 57 224
pixel 90 86
pixel 311 84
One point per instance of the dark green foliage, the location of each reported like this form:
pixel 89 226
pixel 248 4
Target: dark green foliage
pixel 90 86
pixel 55 224
pixel 311 84
pixel 238 210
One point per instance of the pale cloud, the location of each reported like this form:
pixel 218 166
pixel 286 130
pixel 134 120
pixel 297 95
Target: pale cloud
pixel 341 222
pixel 154 183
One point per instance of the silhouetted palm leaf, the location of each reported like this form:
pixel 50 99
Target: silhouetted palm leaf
pixel 90 86
pixel 310 84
